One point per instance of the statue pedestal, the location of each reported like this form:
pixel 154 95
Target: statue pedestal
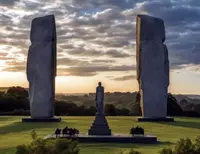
pixel 99 126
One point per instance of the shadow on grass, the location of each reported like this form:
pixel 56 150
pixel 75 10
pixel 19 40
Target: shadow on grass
pixel 123 145
pixel 182 124
pixel 20 127
pixel 109 145
pixel 164 143
pixel 8 150
pixel 6 118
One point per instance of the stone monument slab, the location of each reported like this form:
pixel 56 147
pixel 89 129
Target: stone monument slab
pixel 152 67
pixel 41 69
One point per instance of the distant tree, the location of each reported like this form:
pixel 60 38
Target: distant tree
pixel 85 95
pixel 11 102
pixel 123 112
pixel 136 109
pixel 90 111
pixel 110 110
pixel 17 91
pixel 197 108
pixel 138 97
pixel 65 108
pixel 81 110
pixel 173 109
pixel 183 102
pixel 191 114
pixel 186 105
pixel 2 93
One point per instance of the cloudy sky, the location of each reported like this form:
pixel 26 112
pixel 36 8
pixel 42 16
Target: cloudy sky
pixel 96 42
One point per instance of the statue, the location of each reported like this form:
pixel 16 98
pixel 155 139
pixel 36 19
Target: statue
pixel 100 99
pixel 100 124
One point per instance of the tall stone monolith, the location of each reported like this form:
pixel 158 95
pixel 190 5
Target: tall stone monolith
pixel 41 69
pixel 152 68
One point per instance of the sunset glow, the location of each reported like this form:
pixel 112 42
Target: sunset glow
pixel 96 42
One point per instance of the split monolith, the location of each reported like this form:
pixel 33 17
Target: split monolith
pixel 152 68
pixel 41 69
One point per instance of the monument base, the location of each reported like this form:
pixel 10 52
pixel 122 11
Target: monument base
pixel 99 126
pixel 114 138
pixel 53 119
pixel 165 119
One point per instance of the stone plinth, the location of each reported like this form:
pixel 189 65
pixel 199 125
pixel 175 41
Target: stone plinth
pixel 165 119
pixel 99 126
pixel 115 138
pixel 54 119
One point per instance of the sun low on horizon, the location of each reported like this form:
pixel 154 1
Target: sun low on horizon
pixel 96 42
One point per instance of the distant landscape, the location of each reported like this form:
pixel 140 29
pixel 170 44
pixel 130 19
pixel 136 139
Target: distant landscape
pixel 78 98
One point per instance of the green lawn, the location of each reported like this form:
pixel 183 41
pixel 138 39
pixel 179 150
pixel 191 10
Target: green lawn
pixel 13 133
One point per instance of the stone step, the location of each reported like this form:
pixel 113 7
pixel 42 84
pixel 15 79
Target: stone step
pixel 97 131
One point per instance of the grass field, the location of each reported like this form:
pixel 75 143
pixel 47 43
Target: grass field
pixel 13 133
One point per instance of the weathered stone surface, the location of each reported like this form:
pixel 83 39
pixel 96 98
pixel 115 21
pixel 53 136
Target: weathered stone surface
pixel 152 66
pixel 41 67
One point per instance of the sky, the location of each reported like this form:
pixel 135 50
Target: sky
pixel 96 42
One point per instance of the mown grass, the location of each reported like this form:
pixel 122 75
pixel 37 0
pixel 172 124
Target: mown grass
pixel 13 133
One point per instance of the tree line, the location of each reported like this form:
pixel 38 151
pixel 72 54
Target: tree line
pixel 15 102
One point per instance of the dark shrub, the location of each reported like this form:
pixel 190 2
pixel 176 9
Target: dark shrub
pixel 41 146
pixel 110 110
pixel 173 109
pixel 123 112
pixel 132 151
pixel 70 131
pixel 137 131
pixel 184 146
pixel 64 146
pixel 22 149
pixel 166 151
pixel 197 144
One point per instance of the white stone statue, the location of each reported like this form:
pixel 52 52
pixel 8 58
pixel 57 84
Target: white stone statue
pixel 100 99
